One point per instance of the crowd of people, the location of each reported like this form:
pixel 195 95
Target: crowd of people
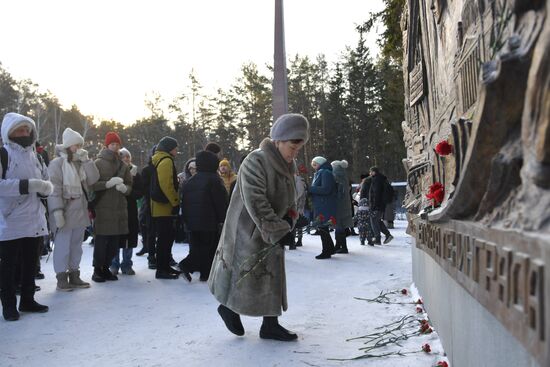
pixel 228 218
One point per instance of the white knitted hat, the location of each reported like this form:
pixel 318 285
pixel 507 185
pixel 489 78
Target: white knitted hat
pixel 319 160
pixel 71 137
pixel 123 152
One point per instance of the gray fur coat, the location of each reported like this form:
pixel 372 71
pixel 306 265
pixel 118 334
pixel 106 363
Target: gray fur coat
pixel 264 194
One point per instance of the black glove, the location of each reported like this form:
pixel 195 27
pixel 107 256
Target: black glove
pixel 287 240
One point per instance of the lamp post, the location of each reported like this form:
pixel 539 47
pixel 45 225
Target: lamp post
pixel 280 88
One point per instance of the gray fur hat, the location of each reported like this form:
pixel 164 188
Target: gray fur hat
pixel 290 126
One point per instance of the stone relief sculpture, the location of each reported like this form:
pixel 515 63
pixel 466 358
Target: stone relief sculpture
pixel 477 80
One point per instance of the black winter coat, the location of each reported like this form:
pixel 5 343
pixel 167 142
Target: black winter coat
pixel 376 192
pixel 133 221
pixel 204 196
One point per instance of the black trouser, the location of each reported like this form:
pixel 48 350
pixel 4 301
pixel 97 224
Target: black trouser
pixel 148 233
pixel 328 245
pixel 166 232
pixel 377 225
pixel 105 249
pixel 202 248
pixel 22 251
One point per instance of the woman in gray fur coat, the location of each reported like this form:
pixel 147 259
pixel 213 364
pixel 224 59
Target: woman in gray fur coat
pixel 248 271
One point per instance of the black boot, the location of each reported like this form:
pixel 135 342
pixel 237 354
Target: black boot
pixel 272 330
pixel 30 305
pixel 107 275
pixel 165 274
pixel 341 245
pixel 9 307
pixel 299 242
pixel 97 276
pixel 232 320
pixel 328 245
pixel 10 314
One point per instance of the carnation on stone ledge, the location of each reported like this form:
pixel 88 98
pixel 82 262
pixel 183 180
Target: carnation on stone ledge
pixel 426 348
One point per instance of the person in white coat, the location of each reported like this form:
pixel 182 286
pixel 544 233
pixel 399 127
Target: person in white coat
pixel 23 182
pixel 71 172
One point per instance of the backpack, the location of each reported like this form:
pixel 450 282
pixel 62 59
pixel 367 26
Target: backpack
pixel 387 193
pixel 4 159
pixel 155 190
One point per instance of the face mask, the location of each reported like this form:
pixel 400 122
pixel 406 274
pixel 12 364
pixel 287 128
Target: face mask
pixel 24 141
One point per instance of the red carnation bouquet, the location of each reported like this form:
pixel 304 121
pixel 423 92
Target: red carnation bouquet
pixel 443 148
pixel 436 192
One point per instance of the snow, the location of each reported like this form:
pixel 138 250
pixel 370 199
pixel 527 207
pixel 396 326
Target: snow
pixel 141 321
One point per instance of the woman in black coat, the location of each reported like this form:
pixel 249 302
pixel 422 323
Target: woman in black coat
pixel 204 203
pixel 129 242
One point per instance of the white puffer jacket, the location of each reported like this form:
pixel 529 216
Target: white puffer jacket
pixel 21 214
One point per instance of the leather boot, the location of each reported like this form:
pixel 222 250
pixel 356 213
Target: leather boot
pixel 63 282
pixel 75 281
pixel 232 320
pixel 341 244
pixel 9 308
pixel 97 276
pixel 272 330
pixel 30 305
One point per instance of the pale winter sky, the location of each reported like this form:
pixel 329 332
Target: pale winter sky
pixel 107 55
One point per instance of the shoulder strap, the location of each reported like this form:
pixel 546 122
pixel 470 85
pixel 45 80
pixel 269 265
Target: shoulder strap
pixel 163 158
pixel 4 161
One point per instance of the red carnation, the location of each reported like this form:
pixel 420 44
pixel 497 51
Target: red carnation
pixel 425 329
pixel 321 218
pixel 404 291
pixel 426 348
pixel 424 321
pixel 292 213
pixel 419 310
pixel 302 169
pixel 442 364
pixel 443 148
pixel 419 301
pixel 332 220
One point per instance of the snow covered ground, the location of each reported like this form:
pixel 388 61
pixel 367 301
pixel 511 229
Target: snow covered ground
pixel 141 321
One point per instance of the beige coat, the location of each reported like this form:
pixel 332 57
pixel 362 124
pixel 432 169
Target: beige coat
pixel 111 210
pixel 264 194
pixel 75 211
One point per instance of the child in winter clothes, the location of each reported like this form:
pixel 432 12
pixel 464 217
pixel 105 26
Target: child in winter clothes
pixel 363 222
pixel 23 181
pixel 71 173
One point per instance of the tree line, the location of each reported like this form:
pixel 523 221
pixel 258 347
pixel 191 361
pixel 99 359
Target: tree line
pixel 354 105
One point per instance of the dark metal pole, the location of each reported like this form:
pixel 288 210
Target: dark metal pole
pixel 280 88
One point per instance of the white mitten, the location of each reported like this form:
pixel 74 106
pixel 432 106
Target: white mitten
pixel 113 182
pixel 121 188
pixel 82 155
pixel 42 187
pixel 59 218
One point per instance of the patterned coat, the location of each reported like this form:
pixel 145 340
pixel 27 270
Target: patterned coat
pixel 264 194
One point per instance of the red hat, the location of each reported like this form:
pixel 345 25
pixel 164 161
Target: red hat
pixel 112 137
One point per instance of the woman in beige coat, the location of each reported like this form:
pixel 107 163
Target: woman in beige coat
pixel 248 272
pixel 71 173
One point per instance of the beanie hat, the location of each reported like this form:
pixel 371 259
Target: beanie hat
pixel 213 147
pixel 71 137
pixel 342 163
pixel 112 137
pixel 125 152
pixel 225 162
pixel 166 144
pixel 207 161
pixel 319 160
pixel 290 126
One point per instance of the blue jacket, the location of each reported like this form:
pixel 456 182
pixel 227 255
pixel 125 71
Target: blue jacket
pixel 323 192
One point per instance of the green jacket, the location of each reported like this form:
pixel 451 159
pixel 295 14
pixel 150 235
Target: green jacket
pixel 166 173
pixel 111 209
